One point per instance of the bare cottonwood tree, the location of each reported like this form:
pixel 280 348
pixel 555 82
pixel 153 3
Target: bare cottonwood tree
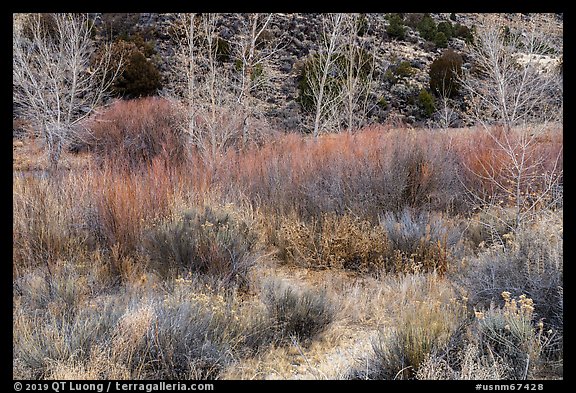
pixel 253 52
pixel 201 86
pixel 217 97
pixel 184 66
pixel 325 103
pixel 55 84
pixel 357 74
pixel 445 115
pixel 506 85
pixel 515 101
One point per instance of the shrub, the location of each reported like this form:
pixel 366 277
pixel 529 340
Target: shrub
pixel 139 77
pixel 427 27
pixel 395 28
pixel 364 174
pixel 195 334
pixel 134 132
pixel 445 72
pixel 413 19
pixel 53 336
pixel 441 40
pixel 334 242
pixel 362 25
pixel 308 76
pixel 529 262
pixel 423 328
pixel 203 241
pixel 422 238
pixel 463 32
pixel 446 28
pixel 299 313
pixel 115 217
pixel 222 49
pixel 186 332
pixel 404 70
pixel 119 25
pixel 471 366
pixel 508 334
pixel 488 228
pixel 307 73
pixel 383 103
pixel 42 222
pixel 257 70
pixel 426 102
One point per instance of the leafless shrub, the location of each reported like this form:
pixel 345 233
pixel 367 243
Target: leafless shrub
pixel 134 132
pixel 335 242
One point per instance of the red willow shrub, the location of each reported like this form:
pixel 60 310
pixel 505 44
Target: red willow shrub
pixel 128 201
pixel 136 131
pixel 380 169
pixel 497 165
pixel 369 172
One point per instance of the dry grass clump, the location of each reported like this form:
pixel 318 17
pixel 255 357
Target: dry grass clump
pixel 343 242
pixel 422 328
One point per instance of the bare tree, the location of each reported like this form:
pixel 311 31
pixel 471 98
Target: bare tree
pixel 55 84
pixel 201 86
pixel 217 97
pixel 357 74
pixel 515 101
pixel 184 65
pixel 321 68
pixel 445 114
pixel 253 52
pixel 507 86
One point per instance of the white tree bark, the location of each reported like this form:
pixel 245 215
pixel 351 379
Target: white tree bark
pixel 55 86
pixel 324 103
pixel 358 75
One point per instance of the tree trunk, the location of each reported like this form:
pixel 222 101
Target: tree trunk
pixel 54 151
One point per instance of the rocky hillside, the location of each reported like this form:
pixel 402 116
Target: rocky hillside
pixel 402 45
